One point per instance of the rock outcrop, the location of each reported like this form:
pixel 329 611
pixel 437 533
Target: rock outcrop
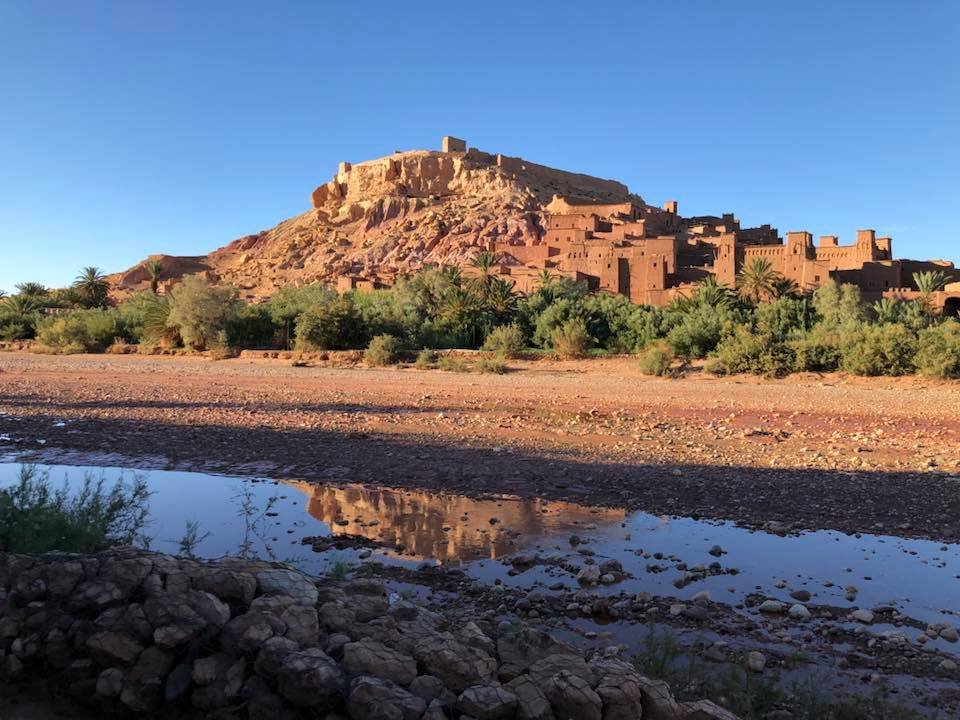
pixel 154 634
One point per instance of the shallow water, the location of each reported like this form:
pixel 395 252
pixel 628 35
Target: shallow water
pixel 919 577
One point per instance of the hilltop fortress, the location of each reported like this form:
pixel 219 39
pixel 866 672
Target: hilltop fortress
pixel 375 221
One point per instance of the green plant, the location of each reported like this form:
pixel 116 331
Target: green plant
pixel 199 311
pixel 333 324
pixel 451 363
pixel 19 316
pixel 838 305
pixel 656 359
pixel 506 341
pixel 35 518
pixel 491 365
pixel 79 331
pixel 92 287
pixel 154 270
pixel 878 350
pixel 757 280
pixel 571 340
pixel 938 353
pixel 32 289
pixel 338 570
pixel 381 351
pixel 425 359
pixel 748 352
pixel 817 350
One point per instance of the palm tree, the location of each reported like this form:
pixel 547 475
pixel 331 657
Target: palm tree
pixel 3 294
pixel 757 280
pixel 452 274
pixel 784 287
pixel 154 268
pixel 545 280
pixel 484 261
pixel 708 292
pixel 461 309
pixel 929 282
pixel 92 287
pixel 501 300
pixel 32 289
pixel 887 310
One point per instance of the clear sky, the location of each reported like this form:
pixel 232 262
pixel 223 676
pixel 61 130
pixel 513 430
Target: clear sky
pixel 129 128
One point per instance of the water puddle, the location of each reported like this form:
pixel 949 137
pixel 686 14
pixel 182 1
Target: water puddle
pixel 676 557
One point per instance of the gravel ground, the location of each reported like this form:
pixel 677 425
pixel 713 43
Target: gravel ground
pixel 871 455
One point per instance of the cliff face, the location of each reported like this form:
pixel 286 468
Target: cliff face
pixel 391 216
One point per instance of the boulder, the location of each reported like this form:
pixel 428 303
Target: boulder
pixel 287 583
pixel 658 701
pixel 143 688
pixel 368 657
pixel 247 632
pixel 457 665
pixel 571 696
pixel 532 704
pixel 110 682
pixel 704 710
pixel 272 654
pixel 303 627
pixel 519 650
pixel 543 670
pixel 228 585
pixel 487 702
pixel 113 648
pixel 373 698
pixel 621 695
pixel 310 678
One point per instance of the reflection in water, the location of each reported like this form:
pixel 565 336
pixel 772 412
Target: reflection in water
pixel 443 526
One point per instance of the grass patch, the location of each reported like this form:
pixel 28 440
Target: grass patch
pixel 453 364
pixel 491 365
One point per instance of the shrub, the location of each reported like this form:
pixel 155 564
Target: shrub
pixel 333 325
pixel 656 360
pixel 425 359
pixel 35 518
pixel 878 350
pixel 571 340
pixel 838 305
pixel 756 353
pixel 137 312
pixel 698 332
pixel 552 318
pixel 785 317
pixel 199 311
pixel 451 363
pixel 491 365
pixel 381 351
pixel 817 350
pixel 506 341
pixel 79 331
pixel 251 327
pixel 939 351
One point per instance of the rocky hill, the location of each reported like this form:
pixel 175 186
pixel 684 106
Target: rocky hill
pixel 387 217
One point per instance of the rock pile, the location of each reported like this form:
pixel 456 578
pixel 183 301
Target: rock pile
pixel 132 632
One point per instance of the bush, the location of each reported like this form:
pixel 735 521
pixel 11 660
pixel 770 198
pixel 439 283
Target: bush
pixel 756 353
pixel 333 325
pixel 656 360
pixel 878 350
pixel 35 519
pixel 137 312
pixel 698 332
pixel 491 365
pixel 381 351
pixel 450 363
pixel 79 331
pixel 199 311
pixel 425 359
pixel 939 351
pixel 506 341
pixel 251 327
pixel 571 340
pixel 785 317
pixel 838 305
pixel 553 317
pixel 817 350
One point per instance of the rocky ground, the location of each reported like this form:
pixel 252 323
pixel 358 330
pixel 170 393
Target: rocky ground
pixel 130 632
pixel 870 455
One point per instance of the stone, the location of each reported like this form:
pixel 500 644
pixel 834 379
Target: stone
pixel 800 595
pixel 589 575
pixel 799 612
pixel 227 585
pixel 368 657
pixel 247 632
pixel 303 626
pixel 772 607
pixel 95 595
pixel 458 666
pixel 862 616
pixel 621 695
pixel 948 665
pixel 178 683
pixel 143 688
pixel 950 634
pixel 287 583
pixel 378 699
pixel 487 702
pixel 704 710
pixel 435 711
pixel 113 648
pixel 430 688
pixel 532 704
pixel 756 661
pixel 472 635
pixel 543 670
pixel 311 678
pixel 519 650
pixel 110 682
pixel 658 701
pixel 272 654
pixel 571 696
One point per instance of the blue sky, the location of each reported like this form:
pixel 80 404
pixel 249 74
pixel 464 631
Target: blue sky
pixel 129 128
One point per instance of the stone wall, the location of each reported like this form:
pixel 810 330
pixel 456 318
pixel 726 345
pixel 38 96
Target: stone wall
pixel 135 633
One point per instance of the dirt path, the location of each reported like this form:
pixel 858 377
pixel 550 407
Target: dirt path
pixel 872 455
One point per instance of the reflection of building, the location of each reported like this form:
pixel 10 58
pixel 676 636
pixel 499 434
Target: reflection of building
pixel 438 525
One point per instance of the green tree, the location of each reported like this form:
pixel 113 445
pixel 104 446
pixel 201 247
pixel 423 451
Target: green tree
pixel 19 316
pixel 461 310
pixel 708 293
pixel 838 305
pixel 200 311
pixel 485 262
pixel 92 287
pixel 757 280
pixel 154 269
pixel 887 310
